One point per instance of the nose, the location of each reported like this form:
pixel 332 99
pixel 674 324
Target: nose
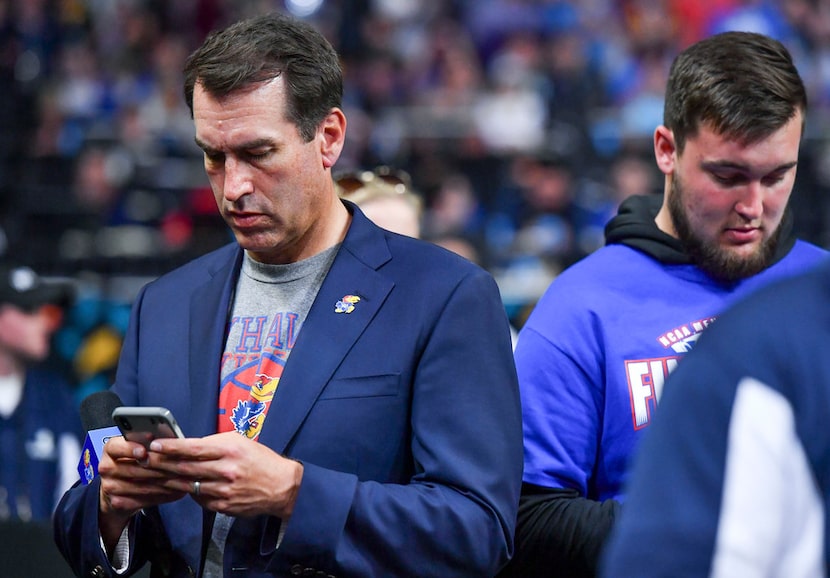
pixel 237 182
pixel 750 204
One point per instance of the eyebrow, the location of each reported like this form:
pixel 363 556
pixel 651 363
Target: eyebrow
pixel 254 144
pixel 720 165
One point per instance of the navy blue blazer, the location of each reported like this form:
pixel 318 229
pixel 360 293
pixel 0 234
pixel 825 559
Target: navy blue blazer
pixel 405 413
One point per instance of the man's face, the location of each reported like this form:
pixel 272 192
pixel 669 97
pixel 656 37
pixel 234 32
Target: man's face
pixel 26 335
pixel 272 188
pixel 727 199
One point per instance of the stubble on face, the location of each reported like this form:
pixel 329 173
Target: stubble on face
pixel 710 256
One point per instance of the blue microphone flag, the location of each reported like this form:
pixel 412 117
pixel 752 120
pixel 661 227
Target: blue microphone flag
pixel 93 450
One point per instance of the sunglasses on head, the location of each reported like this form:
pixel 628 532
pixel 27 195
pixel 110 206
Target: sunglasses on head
pixel 351 181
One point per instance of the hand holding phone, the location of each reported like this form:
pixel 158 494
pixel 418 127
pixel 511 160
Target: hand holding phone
pixel 144 424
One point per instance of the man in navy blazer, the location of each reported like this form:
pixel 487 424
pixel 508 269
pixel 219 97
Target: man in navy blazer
pixel 392 444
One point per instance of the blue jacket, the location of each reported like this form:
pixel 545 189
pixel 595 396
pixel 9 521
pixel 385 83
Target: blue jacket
pixel 405 413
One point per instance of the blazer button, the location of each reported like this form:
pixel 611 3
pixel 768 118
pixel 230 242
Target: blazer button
pixel 297 570
pixel 97 572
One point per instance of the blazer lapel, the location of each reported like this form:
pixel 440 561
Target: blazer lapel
pixel 326 335
pixel 208 324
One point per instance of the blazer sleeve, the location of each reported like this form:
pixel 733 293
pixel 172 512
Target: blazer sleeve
pixel 75 525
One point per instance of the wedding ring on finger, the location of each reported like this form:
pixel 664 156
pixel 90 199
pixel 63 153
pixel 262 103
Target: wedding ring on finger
pixel 197 488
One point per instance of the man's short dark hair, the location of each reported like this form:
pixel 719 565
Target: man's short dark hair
pixel 742 84
pixel 259 49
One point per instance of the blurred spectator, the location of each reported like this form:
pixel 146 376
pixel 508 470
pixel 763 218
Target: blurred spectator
pixel 385 196
pixel 454 209
pixel 762 16
pixel 40 429
pixel 573 89
pixel 110 218
pixel 696 16
pixel 510 116
pixel 550 209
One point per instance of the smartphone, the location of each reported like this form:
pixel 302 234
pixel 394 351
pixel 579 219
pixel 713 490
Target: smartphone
pixel 144 424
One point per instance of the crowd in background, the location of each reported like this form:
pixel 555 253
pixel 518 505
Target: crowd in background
pixel 522 123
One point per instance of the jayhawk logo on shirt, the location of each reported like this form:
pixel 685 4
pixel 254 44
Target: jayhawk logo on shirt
pixel 248 416
pixel 246 395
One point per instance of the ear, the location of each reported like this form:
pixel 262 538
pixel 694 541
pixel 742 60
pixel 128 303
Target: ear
pixel 664 149
pixel 332 134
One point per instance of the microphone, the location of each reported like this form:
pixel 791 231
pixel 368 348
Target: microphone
pixel 96 417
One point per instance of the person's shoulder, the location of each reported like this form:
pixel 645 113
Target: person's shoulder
pixel 606 267
pixel 402 246
pixel 593 287
pixel 423 261
pixel 813 284
pixel 805 250
pixel 400 254
pixel 776 335
pixel 791 304
pixel 800 256
pixel 415 258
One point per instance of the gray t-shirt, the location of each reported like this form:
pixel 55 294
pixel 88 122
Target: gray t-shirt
pixel 270 306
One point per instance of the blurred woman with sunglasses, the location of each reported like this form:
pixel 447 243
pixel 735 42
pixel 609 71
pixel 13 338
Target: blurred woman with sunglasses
pixel 386 196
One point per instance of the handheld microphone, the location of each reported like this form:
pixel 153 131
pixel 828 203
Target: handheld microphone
pixel 96 417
